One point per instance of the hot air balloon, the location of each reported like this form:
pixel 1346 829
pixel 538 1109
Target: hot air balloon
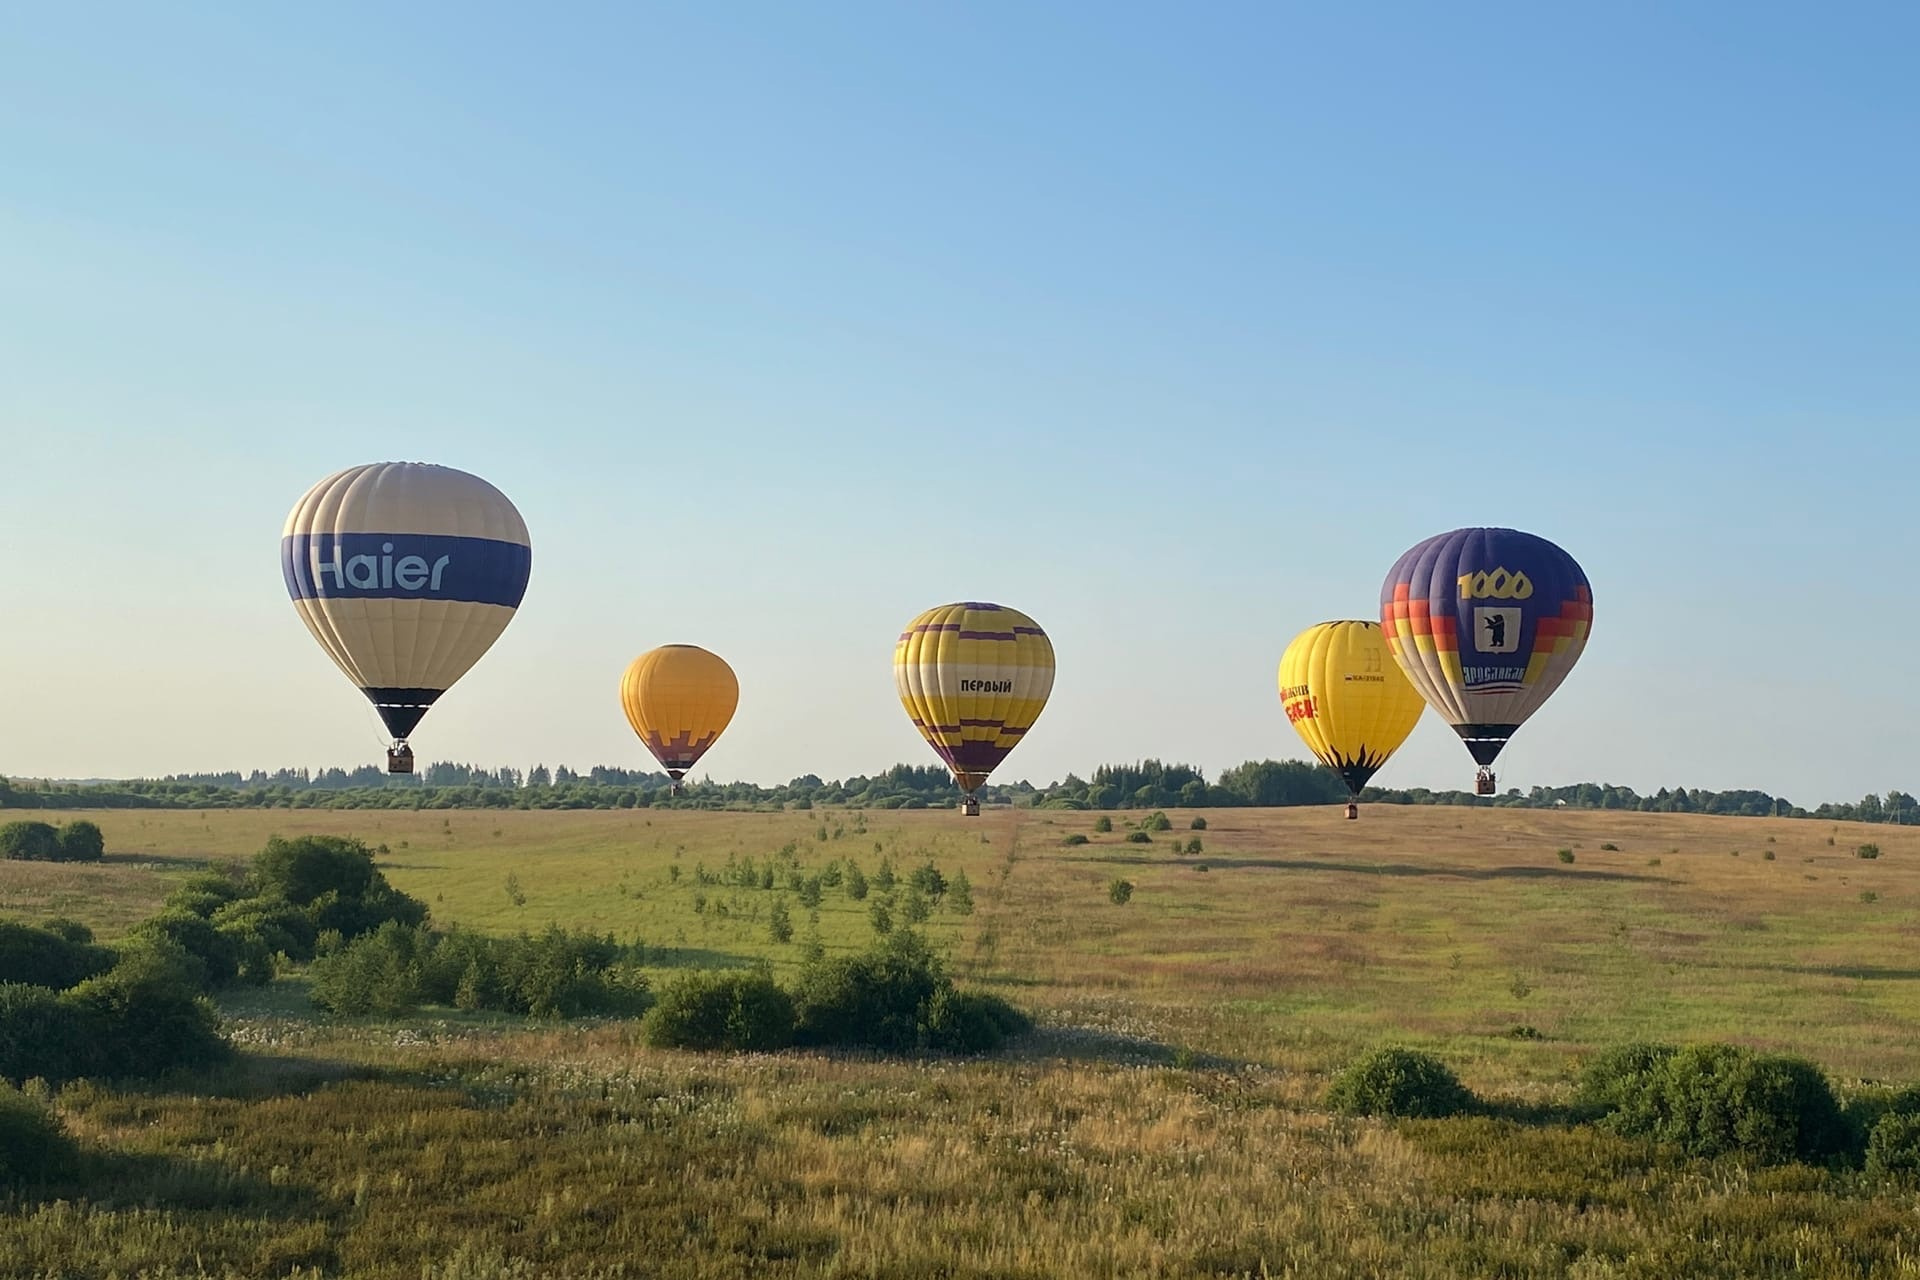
pixel 406 573
pixel 974 677
pixel 679 698
pixel 1486 623
pixel 1347 700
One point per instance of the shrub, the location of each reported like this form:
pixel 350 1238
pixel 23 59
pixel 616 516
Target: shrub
pixel 1718 1099
pixel 81 841
pixel 71 930
pixel 217 952
pixel 971 1022
pixel 280 927
pixel 379 973
pixel 305 869
pixel 30 841
pixel 154 1020
pixel 1193 845
pixel 1076 839
pixel 33 1146
pixel 43 958
pixel 1398 1082
pixel 877 998
pixel 1198 824
pixel 779 923
pixel 960 894
pixel 1157 821
pixel 1867 851
pixel 1103 823
pixel 927 879
pixel 734 1010
pixel 1893 1148
pixel 856 882
pixel 1609 846
pixel 204 894
pixel 1565 855
pixel 1139 837
pixel 881 916
pixel 1120 891
pixel 883 878
pixel 43 1035
pixel 1623 1082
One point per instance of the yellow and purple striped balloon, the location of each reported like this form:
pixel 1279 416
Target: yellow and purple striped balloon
pixel 974 677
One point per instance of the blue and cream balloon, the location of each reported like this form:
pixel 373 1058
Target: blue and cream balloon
pixel 406 573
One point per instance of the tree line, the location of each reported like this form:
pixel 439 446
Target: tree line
pixel 1144 784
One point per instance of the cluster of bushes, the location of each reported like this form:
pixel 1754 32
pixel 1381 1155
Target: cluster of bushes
pixel 78 841
pixel 896 996
pixel 1706 1099
pixel 296 893
pixel 33 1145
pixel 399 967
pixel 69 1009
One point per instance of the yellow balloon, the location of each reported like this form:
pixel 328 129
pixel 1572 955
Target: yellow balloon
pixel 679 698
pixel 1348 698
pixel 974 677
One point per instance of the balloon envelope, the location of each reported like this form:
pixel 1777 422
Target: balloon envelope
pixel 1486 623
pixel 406 573
pixel 1347 699
pixel 679 698
pixel 974 677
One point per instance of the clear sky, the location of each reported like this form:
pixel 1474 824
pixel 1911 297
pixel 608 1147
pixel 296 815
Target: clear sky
pixel 1170 325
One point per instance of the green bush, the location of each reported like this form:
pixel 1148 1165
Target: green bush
pixel 154 1019
pixel 735 1010
pixel 1623 1083
pixel 960 894
pixel 876 999
pixel 1198 824
pixel 1120 892
pixel 1565 855
pixel 883 877
pixel 46 1036
pixel 1103 823
pixel 927 879
pixel 1718 1099
pixel 81 841
pixel 309 867
pixel 1867 851
pixel 205 893
pixel 30 841
pixel 971 1022
pixel 1893 1147
pixel 1193 846
pixel 378 973
pixel 1139 837
pixel 1398 1082
pixel 1076 839
pixel 856 882
pixel 217 952
pixel 33 1146
pixel 281 927
pixel 71 930
pixel 43 958
pixel 1157 821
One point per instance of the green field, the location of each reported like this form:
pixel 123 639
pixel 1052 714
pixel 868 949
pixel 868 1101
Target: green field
pixel 1165 1119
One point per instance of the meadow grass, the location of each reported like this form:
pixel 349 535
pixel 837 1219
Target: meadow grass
pixel 1165 1119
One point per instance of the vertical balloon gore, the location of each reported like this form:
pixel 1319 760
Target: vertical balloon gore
pixel 973 678
pixel 406 573
pixel 1486 623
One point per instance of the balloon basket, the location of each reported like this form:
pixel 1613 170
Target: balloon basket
pixel 969 808
pixel 1353 811
pixel 1483 783
pixel 400 758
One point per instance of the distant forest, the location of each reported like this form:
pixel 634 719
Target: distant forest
pixel 1148 784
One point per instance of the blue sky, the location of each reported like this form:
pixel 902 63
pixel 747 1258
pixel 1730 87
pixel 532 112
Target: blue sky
pixel 1171 326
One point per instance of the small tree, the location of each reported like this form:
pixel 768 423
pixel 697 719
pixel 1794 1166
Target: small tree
pixel 881 916
pixel 1120 891
pixel 779 924
pixel 856 882
pixel 1103 823
pixel 960 894
pixel 30 841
